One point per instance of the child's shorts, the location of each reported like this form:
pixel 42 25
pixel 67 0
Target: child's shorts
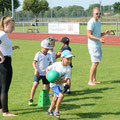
pixel 44 80
pixel 56 89
pixel 95 54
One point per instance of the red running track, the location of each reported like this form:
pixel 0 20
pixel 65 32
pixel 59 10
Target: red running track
pixel 82 39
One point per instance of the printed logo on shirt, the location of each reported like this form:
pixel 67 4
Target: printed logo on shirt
pixel 0 41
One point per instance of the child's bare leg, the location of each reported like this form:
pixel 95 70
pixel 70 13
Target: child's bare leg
pixel 0 109
pixel 53 103
pixel 47 87
pixel 59 100
pixel 33 89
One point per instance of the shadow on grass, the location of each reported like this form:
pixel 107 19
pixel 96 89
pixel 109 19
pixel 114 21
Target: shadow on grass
pixel 96 114
pixel 111 82
pixel 67 107
pixel 91 115
pixel 31 110
pixel 83 98
pixel 89 91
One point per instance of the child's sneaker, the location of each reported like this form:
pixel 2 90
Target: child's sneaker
pixel 30 102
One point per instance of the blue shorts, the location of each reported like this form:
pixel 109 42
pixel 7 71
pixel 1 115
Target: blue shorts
pixel 95 54
pixel 56 89
pixel 44 80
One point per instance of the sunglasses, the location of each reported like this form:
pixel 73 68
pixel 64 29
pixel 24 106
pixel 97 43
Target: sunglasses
pixel 98 13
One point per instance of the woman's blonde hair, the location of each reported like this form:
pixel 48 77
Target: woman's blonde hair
pixel 5 20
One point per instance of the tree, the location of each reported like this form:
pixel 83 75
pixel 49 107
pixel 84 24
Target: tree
pixel 116 7
pixel 75 11
pixel 36 6
pixel 6 5
pixel 90 9
pixel 107 8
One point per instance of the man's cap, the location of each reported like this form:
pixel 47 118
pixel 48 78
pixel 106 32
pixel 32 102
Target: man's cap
pixel 67 54
pixel 51 39
pixel 65 40
pixel 46 44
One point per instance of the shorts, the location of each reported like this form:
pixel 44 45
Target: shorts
pixel 95 54
pixel 56 89
pixel 44 80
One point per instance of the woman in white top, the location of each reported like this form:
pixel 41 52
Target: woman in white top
pixel 6 26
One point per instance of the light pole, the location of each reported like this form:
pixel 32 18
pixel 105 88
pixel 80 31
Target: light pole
pixel 101 7
pixel 51 9
pixel 12 8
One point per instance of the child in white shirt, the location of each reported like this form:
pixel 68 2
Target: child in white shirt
pixel 41 61
pixel 64 71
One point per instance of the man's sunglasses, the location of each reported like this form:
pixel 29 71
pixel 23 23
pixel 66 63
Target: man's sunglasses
pixel 98 13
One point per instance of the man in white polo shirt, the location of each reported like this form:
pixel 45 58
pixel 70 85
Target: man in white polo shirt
pixel 94 43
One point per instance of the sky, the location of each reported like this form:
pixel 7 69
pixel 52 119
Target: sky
pixel 83 3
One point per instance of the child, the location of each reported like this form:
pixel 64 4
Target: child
pixel 65 46
pixel 40 63
pixel 52 51
pixel 64 71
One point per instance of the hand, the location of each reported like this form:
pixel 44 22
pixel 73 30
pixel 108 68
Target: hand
pixel 58 82
pixel 2 59
pixel 16 47
pixel 101 40
pixel 107 31
pixel 66 87
pixel 37 73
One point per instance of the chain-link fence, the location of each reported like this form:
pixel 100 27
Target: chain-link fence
pixel 42 27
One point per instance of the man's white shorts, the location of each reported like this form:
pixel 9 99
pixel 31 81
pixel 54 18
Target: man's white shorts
pixel 95 54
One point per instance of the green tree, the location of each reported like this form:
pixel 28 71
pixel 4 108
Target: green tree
pixel 75 11
pixel 116 7
pixel 6 5
pixel 36 6
pixel 89 11
pixel 107 8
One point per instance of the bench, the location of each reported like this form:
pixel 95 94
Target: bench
pixel 33 30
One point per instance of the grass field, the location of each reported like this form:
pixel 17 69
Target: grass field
pixel 100 102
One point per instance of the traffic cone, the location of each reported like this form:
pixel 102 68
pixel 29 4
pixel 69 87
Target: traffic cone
pixel 44 100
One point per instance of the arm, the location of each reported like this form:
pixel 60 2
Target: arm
pixel 47 70
pixel 35 67
pixel 2 57
pixel 15 47
pixel 106 32
pixel 89 34
pixel 64 81
pixel 58 54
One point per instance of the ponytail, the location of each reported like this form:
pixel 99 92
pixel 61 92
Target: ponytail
pixel 2 22
pixel 5 20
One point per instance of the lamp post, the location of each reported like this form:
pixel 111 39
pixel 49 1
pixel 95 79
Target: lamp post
pixel 51 9
pixel 12 8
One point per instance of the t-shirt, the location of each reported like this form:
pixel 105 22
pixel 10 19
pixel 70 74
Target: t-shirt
pixel 52 56
pixel 64 72
pixel 43 62
pixel 95 27
pixel 5 44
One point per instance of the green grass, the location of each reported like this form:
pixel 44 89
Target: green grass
pixel 43 29
pixel 100 102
